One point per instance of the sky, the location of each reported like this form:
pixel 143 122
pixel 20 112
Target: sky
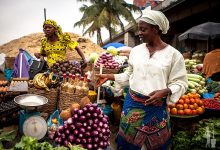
pixel 22 17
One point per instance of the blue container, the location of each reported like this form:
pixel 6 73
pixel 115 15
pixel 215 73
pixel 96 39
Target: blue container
pixel 23 116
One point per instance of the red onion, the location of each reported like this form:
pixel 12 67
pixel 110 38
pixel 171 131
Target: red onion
pixel 95 126
pixel 72 127
pixel 89 146
pixel 83 141
pixel 95 133
pixel 89 140
pixel 82 118
pixel 71 138
pixel 78 141
pixel 82 130
pixel 69 121
pixel 80 112
pixel 67 131
pixel 87 134
pixel 88 115
pixel 75 132
pixel 78 124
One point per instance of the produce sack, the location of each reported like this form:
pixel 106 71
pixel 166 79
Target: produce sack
pixel 37 67
pixel 21 66
pixel 53 123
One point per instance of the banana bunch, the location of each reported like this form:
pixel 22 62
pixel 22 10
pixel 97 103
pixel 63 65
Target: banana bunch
pixel 41 81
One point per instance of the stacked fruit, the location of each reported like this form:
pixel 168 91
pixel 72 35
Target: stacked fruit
pixel 189 104
pixel 61 67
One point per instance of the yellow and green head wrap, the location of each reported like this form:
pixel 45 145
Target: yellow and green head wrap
pixel 54 24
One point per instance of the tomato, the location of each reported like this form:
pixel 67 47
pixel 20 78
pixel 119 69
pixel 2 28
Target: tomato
pixel 173 111
pixel 179 106
pixel 200 110
pixel 181 101
pixel 188 111
pixel 194 112
pixel 191 107
pixel 185 106
pixel 172 106
pixel 180 112
pixel 192 100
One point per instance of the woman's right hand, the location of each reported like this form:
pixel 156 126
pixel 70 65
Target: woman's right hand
pixel 102 78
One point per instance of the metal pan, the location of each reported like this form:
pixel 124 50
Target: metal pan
pixel 30 101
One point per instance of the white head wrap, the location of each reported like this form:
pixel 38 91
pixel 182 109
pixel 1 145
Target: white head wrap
pixel 156 18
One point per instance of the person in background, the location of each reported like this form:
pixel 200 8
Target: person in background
pixel 55 43
pixel 211 62
pixel 156 76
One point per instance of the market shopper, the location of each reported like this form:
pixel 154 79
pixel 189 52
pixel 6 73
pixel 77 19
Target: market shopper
pixel 156 76
pixel 211 63
pixel 55 43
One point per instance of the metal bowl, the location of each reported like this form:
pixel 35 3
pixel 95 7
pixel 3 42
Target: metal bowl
pixel 30 101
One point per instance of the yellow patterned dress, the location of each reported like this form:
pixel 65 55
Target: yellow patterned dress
pixel 57 50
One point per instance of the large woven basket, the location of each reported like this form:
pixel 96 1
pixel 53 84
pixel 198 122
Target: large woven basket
pixel 52 97
pixel 66 99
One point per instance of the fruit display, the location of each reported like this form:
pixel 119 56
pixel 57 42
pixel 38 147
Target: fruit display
pixel 211 104
pixel 43 81
pixel 66 67
pixel 87 127
pixel 106 59
pixel 196 84
pixel 187 105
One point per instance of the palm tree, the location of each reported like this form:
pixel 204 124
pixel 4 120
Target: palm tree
pixel 106 14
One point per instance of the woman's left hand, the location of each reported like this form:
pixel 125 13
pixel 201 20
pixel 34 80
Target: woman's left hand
pixel 157 95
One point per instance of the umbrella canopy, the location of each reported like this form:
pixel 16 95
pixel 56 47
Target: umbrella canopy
pixel 115 44
pixel 202 32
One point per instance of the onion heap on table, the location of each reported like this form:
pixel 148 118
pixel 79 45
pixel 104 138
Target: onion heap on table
pixel 87 126
pixel 108 62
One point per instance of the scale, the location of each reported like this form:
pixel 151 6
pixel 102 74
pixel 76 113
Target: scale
pixel 30 121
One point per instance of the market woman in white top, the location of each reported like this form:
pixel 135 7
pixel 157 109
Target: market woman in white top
pixel 156 76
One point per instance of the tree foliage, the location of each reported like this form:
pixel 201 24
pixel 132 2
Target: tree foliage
pixel 105 14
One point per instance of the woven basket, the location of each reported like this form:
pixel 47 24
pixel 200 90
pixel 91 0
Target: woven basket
pixel 52 97
pixel 66 99
pixel 9 62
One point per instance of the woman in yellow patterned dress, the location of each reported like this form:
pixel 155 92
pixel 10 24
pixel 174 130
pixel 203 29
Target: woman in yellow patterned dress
pixel 55 43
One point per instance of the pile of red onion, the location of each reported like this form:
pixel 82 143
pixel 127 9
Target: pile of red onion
pixel 107 60
pixel 87 127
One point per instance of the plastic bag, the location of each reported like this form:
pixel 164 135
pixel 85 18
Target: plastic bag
pixel 53 123
pixel 2 62
pixel 8 74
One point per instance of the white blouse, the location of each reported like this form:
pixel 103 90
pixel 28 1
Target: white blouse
pixel 165 69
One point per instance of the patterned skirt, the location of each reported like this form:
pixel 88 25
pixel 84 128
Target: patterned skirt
pixel 143 125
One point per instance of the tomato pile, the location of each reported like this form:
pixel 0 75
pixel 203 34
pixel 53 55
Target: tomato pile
pixel 211 104
pixel 189 104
